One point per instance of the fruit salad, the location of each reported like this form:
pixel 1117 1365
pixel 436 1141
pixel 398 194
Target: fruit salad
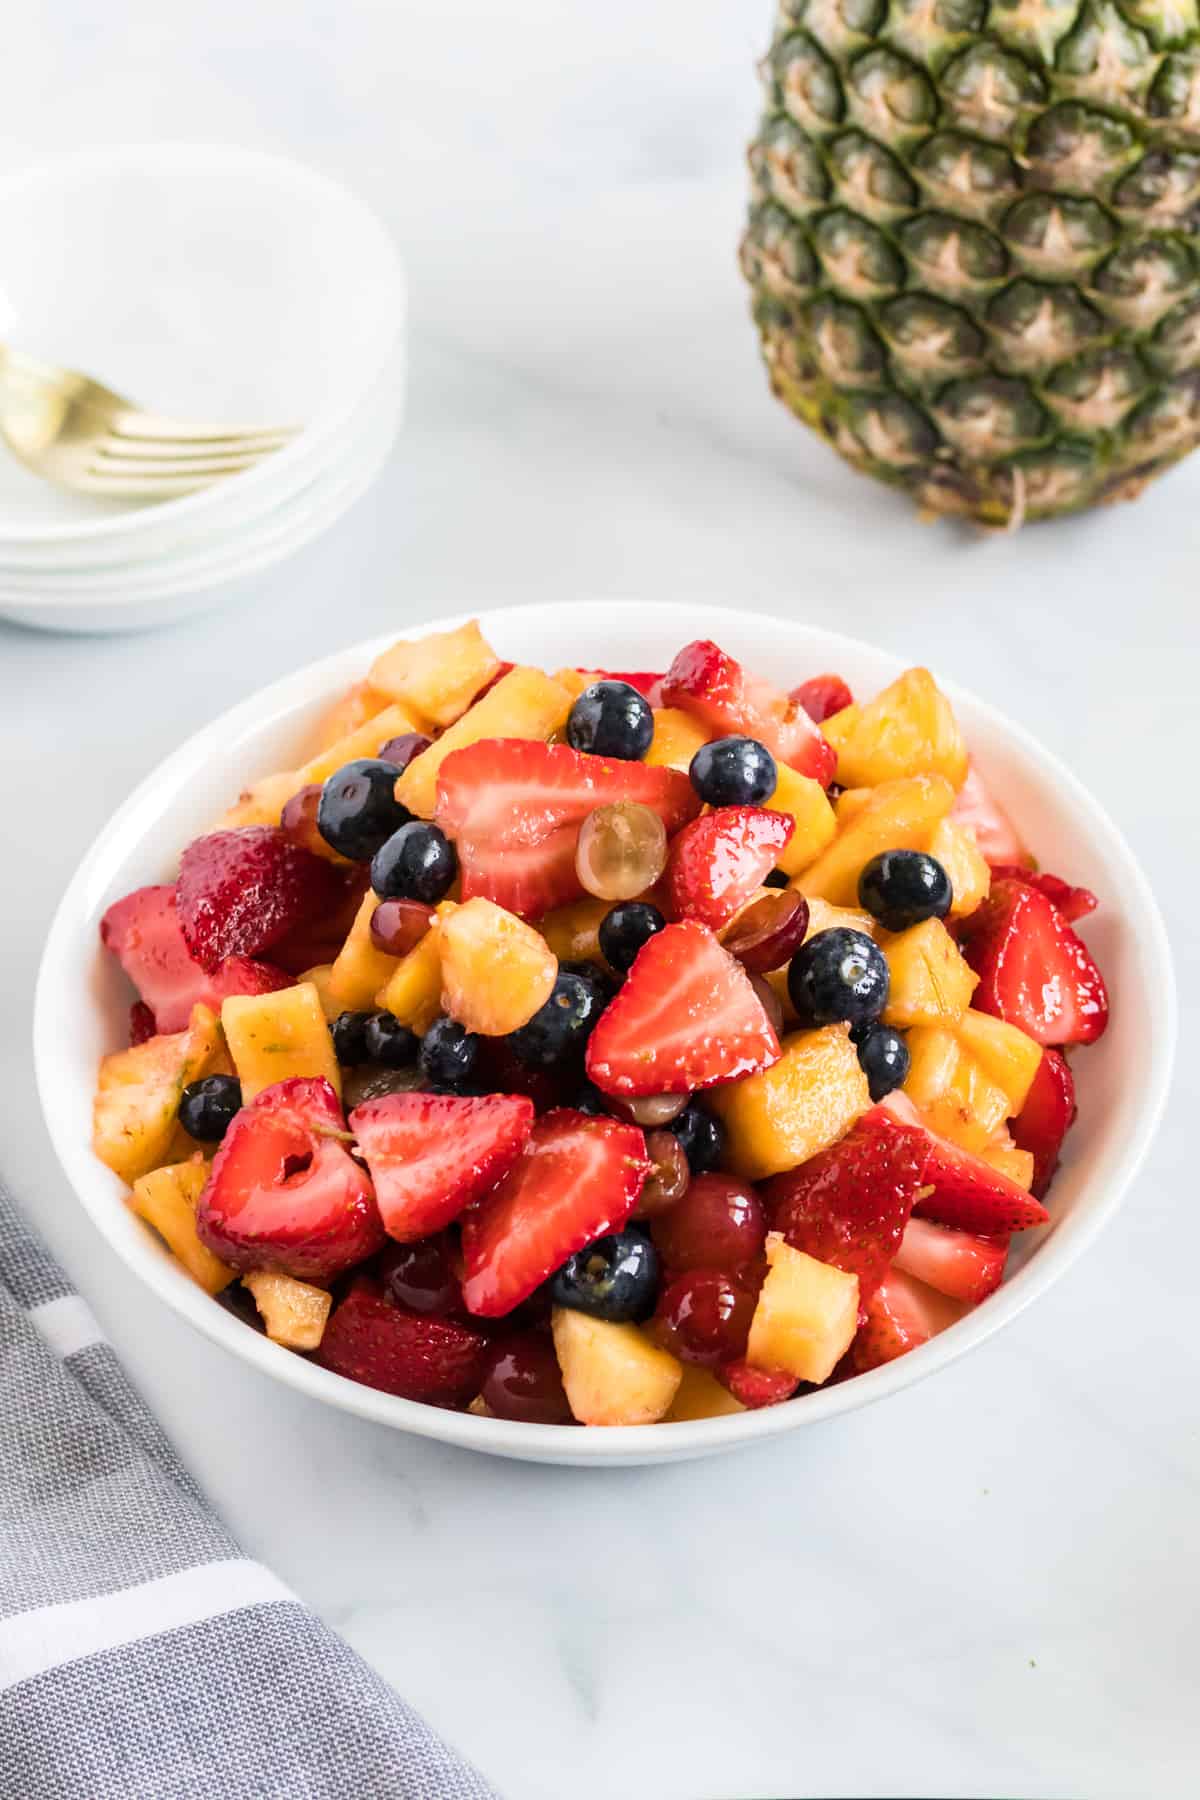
pixel 602 1048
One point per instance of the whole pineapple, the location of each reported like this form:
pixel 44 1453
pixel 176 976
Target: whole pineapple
pixel 975 243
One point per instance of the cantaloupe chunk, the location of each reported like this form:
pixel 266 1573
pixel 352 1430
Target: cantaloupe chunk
pixel 136 1107
pixel 802 1104
pixel 612 1374
pixel 806 1317
pixel 807 804
pixel 438 675
pixel 955 848
pixel 677 737
pixel 166 1198
pixel 525 703
pixel 908 729
pixel 900 815
pixel 359 970
pixel 413 993
pixel 497 971
pixel 294 1312
pixel 930 981
pixel 276 1037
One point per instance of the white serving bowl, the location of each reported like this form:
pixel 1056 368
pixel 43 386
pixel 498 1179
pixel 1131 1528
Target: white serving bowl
pixel 1122 1081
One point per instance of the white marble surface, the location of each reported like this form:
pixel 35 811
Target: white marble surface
pixel 986 1586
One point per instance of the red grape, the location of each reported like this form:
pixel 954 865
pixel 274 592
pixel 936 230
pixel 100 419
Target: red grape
pixel 401 750
pixel 703 1317
pixel 668 1178
pixel 398 925
pixel 769 932
pixel 299 819
pixel 522 1381
pixel 422 1277
pixel 718 1224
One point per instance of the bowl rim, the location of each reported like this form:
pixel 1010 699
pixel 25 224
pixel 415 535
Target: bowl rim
pixel 78 911
pixel 315 434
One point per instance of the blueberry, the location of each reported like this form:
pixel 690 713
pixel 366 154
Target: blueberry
pixel 449 1053
pixel 349 1042
pixel 734 771
pixel 562 1025
pixel 616 1278
pixel 701 1135
pixel 883 1057
pixel 838 974
pixel 239 1301
pixel 208 1108
pixel 777 878
pixel 389 1042
pixel 418 862
pixel 625 929
pixel 358 809
pixel 903 887
pixel 610 718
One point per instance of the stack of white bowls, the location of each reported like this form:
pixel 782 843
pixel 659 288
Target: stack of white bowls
pixel 210 285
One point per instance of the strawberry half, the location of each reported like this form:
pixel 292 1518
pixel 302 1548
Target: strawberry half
pixel 143 932
pixel 687 1017
pixel 514 808
pixel 995 834
pixel 368 1339
pixel 648 685
pixel 821 696
pixel 142 1025
pixel 241 891
pixel 432 1155
pixel 578 1178
pixel 959 1263
pixel 1046 1117
pixel 849 1205
pixel 1072 902
pixel 729 702
pixel 718 861
pixel 900 1316
pixel 756 1387
pixel 967 1193
pixel 1033 970
pixel 285 1193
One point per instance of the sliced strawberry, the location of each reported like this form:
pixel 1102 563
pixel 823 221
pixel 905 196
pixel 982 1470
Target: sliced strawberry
pixel 141 1024
pixel 756 1387
pixel 1033 970
pixel 514 808
pixel 504 668
pixel 285 1193
pixel 687 1017
pixel 995 833
pixel 241 891
pixel 849 1205
pixel 718 861
pixel 143 932
pixel 320 939
pixel 577 1179
pixel 718 691
pixel 649 686
pixel 821 696
pixel 1046 1117
pixel 900 1316
pixel 368 1339
pixel 432 1155
pixel 967 1193
pixel 959 1263
pixel 1072 902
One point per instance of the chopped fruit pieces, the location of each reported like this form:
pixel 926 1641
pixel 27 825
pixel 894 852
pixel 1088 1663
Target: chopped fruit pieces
pixel 1046 1117
pixel 523 705
pixel 1017 1164
pixel 350 711
pixel 766 934
pixel 963 1191
pixel 677 737
pixel 612 1373
pixel 615 1278
pixel 687 1017
pixel 275 1037
pixel 994 832
pixel 902 888
pixel 294 1312
pixel 952 1089
pixel 360 968
pixel 143 932
pixel 824 917
pixel 413 992
pixel 953 845
pixel 930 982
pixel 368 1339
pixel 166 1198
pixel 703 1316
pixel 1034 972
pixel 240 892
pixel 573 932
pixel 800 1106
pixel 752 1387
pixel 1072 902
pixel 138 1093
pixel 439 675
pixel 496 970
pixel 908 729
pixel 433 1155
pixel 901 1316
pixel 806 1315
pixel 1006 1055
pixel 621 850
pixel 716 690
pixel 958 1263
pixel 718 862
pixel 821 696
pixel 577 1179
pixel 898 815
pixel 701 1396
pixel 814 823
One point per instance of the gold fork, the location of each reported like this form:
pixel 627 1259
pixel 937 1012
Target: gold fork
pixel 80 435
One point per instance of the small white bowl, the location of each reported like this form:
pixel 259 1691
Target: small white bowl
pixel 82 1002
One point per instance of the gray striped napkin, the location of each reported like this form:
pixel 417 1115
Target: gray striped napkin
pixel 141 1654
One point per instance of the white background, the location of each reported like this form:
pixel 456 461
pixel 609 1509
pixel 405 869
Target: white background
pixel 986 1587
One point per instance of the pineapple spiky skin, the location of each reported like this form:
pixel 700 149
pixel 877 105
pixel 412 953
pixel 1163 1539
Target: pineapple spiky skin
pixel 974 243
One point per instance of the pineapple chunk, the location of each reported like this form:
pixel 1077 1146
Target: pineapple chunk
pixel 807 804
pixel 970 878
pixel 524 703
pixel 930 981
pixel 1004 1052
pixel 898 816
pixel 677 737
pixel 701 1396
pixel 365 740
pixel 261 803
pixel 804 1103
pixel 1017 1164
pixel 274 1037
pixel 953 1090
pixel 414 991
pixel 319 977
pixel 849 802
pixel 358 704
pixel 575 680
pixel 135 1112
pixel 823 917
pixel 294 1312
pixel 359 970
pixel 497 971
pixel 573 932
pixel 612 1374
pixel 806 1317
pixel 908 729
pixel 438 675
pixel 166 1199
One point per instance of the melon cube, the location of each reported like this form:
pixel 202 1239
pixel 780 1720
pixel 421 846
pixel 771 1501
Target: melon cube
pixel 438 675
pixel 359 970
pixel 908 729
pixel 802 1104
pixel 136 1107
pixel 276 1037
pixel 497 971
pixel 294 1312
pixel 677 737
pixel 166 1199
pixel 413 992
pixel 1005 1053
pixel 930 981
pixel 807 805
pixel 955 848
pixel 806 1317
pixel 612 1374
pixel 525 703
pixel 899 815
